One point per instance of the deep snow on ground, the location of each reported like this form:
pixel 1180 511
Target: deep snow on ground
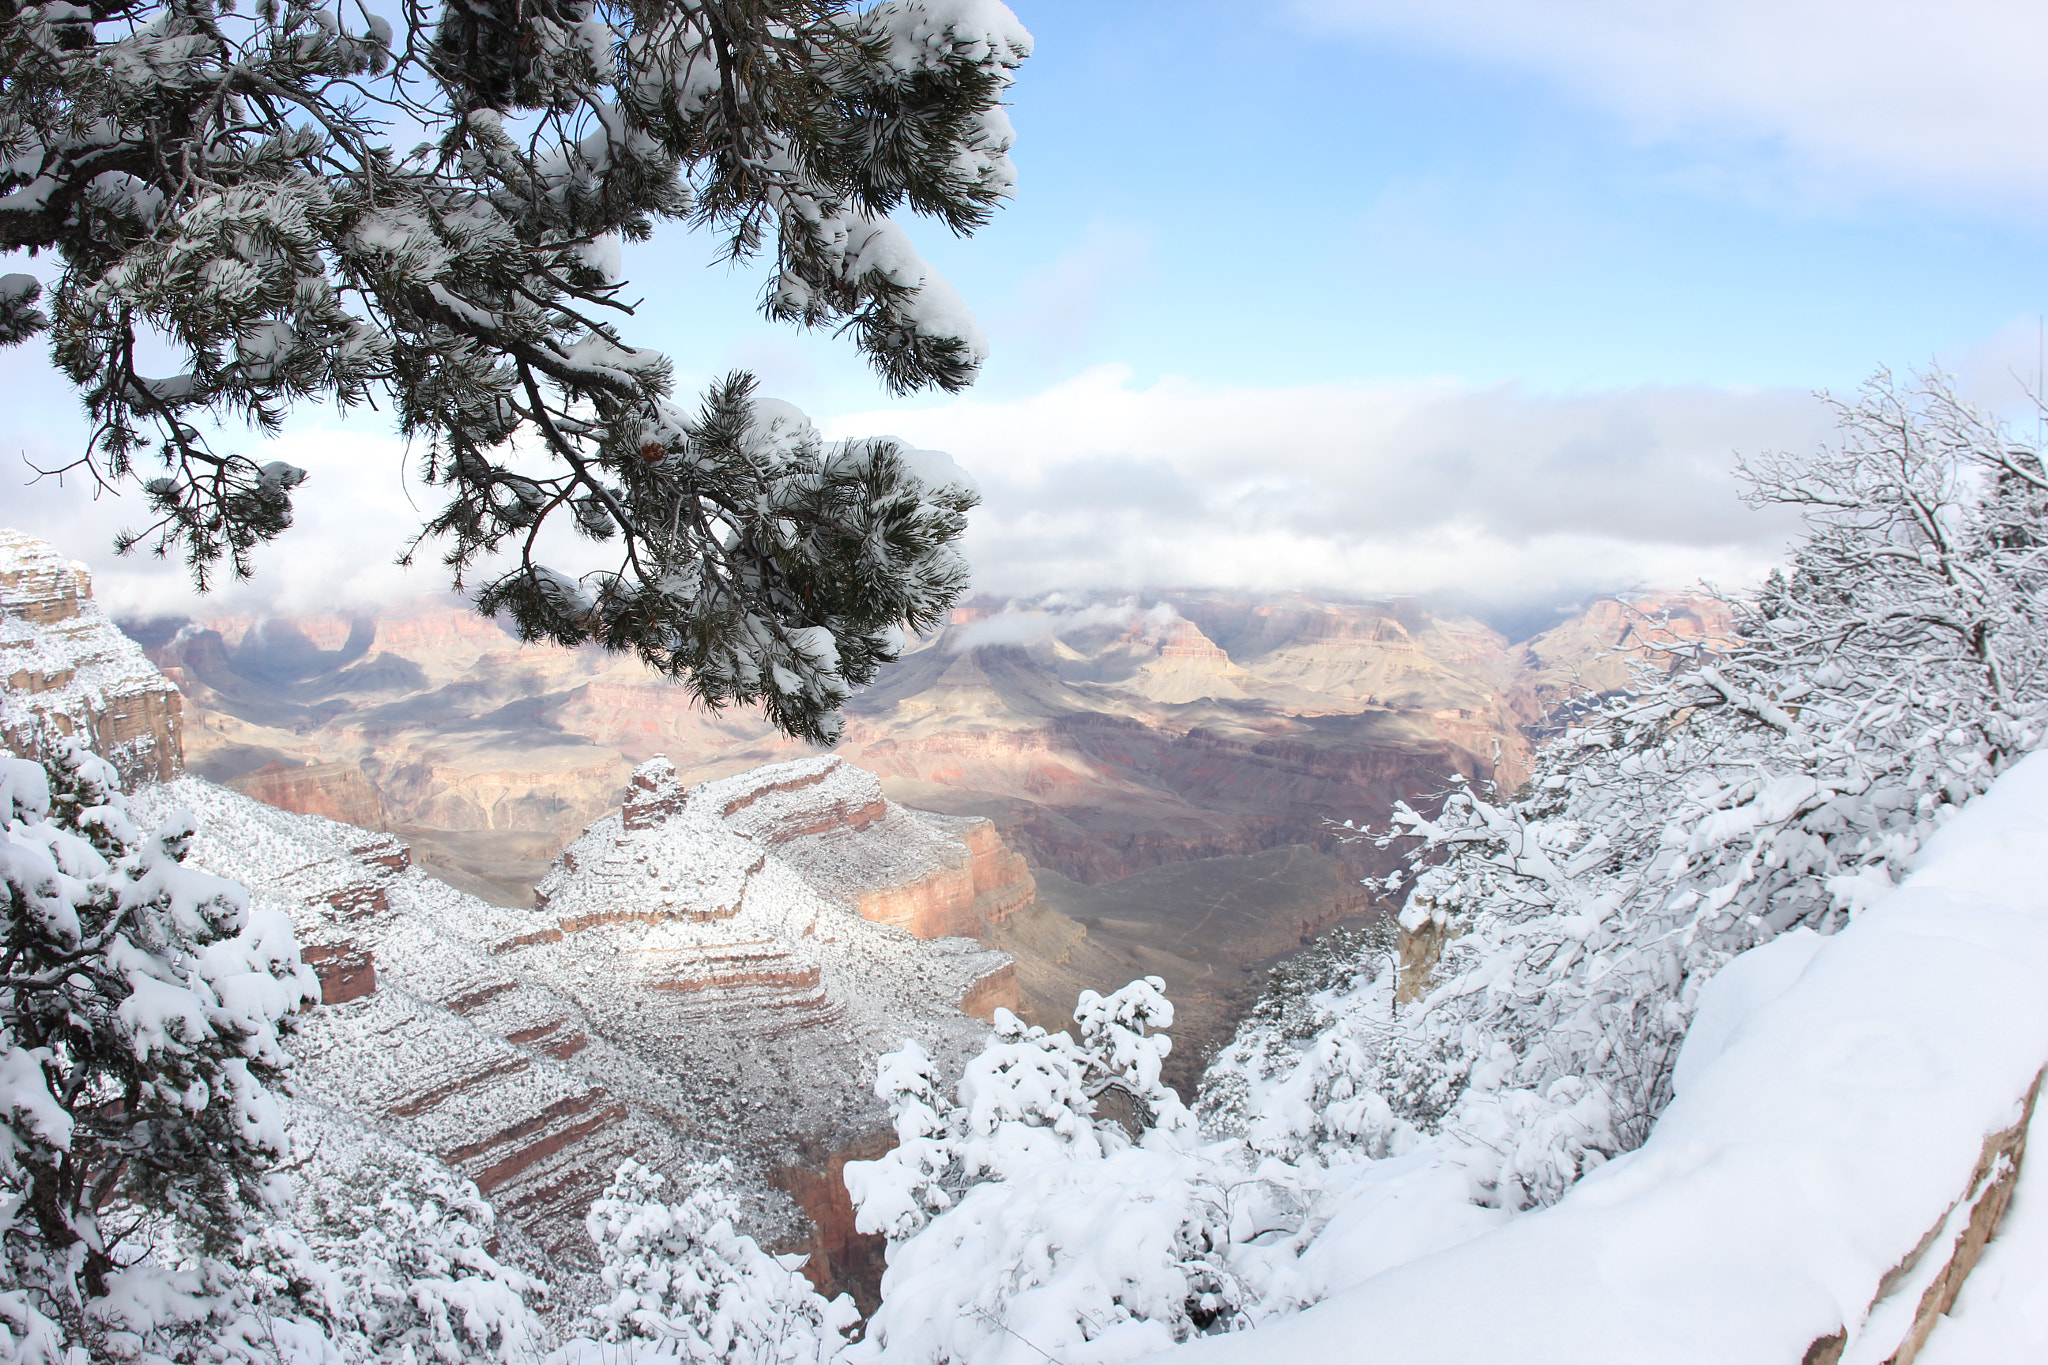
pixel 1838 1124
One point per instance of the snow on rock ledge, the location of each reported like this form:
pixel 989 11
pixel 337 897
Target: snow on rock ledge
pixel 65 667
pixel 1817 1191
pixel 936 875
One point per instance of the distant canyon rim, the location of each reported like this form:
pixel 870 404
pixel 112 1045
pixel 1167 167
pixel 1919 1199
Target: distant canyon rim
pixel 1171 766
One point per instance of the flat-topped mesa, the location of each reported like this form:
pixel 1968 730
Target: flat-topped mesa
pixel 67 670
pixel 934 875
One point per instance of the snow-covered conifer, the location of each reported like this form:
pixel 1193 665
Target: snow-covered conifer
pixel 140 1009
pixel 306 203
pixel 686 1284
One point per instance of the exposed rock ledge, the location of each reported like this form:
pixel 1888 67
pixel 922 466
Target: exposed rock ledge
pixel 66 668
pixel 934 875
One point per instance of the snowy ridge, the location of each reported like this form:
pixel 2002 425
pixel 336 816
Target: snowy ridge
pixel 688 904
pixel 445 1052
pixel 830 821
pixel 1812 1181
pixel 682 992
pixel 936 875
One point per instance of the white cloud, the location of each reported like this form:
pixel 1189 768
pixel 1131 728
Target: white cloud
pixel 1024 625
pixel 1429 487
pixel 1098 483
pixel 1907 94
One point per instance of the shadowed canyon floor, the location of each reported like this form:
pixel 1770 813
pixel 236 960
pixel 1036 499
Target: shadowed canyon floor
pixel 1168 767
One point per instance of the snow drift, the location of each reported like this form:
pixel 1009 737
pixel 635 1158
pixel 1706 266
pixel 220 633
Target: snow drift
pixel 1822 1182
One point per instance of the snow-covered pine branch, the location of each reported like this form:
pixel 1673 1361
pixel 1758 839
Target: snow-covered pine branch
pixel 310 203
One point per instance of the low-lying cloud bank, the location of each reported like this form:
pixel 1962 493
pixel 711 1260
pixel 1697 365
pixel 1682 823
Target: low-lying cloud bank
pixel 1501 497
pixel 1493 494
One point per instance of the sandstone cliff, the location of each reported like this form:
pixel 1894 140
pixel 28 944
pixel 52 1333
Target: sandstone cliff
pixel 68 670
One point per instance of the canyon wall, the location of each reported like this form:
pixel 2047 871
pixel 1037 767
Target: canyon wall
pixel 69 671
pixel 683 992
pixel 1087 746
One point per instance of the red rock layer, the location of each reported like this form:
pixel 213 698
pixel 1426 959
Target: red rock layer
pixel 968 900
pixel 338 791
pixel 841 1258
pixel 997 990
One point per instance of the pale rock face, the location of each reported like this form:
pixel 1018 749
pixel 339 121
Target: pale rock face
pixel 68 670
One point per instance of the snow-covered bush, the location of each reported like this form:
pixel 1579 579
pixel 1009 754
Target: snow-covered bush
pixel 140 1009
pixel 384 1251
pixel 1028 1097
pixel 686 1284
pixel 1056 1198
pixel 1789 779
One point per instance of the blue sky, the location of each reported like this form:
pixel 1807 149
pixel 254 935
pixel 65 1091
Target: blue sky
pixel 1366 296
pixel 1255 194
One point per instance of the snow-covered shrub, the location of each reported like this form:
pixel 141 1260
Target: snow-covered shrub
pixel 1786 780
pixel 1029 1096
pixel 140 1009
pixel 384 1250
pixel 686 1284
pixel 1057 1198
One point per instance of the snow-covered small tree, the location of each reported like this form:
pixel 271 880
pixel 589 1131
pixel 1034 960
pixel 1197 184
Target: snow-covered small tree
pixel 689 1285
pixel 140 1010
pixel 1883 680
pixel 1027 1097
pixel 1055 1199
pixel 304 202
pixel 383 1252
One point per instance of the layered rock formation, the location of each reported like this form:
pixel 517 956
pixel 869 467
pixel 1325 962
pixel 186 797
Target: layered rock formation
pixel 698 981
pixel 933 875
pixel 68 670
pixel 683 992
pixel 1105 744
pixel 338 791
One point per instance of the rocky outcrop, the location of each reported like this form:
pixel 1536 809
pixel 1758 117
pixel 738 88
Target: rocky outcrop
pixel 68 670
pixel 995 989
pixel 839 1257
pixel 1600 650
pixel 420 1031
pixel 933 875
